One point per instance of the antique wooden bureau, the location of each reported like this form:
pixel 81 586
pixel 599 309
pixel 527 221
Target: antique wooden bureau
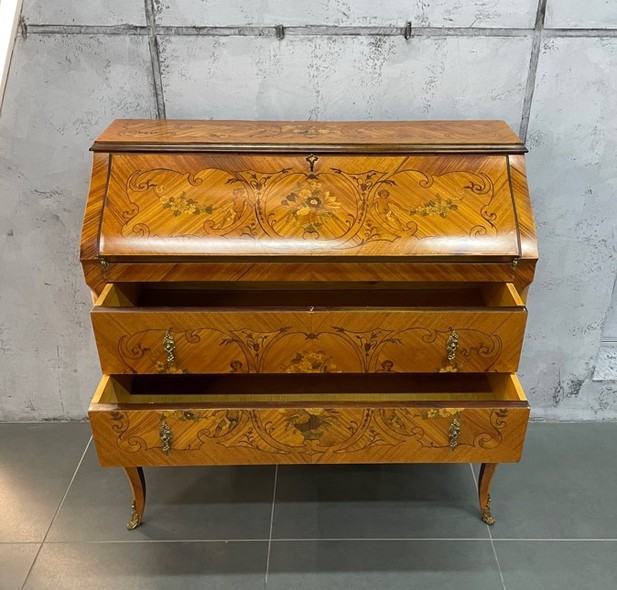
pixel 288 292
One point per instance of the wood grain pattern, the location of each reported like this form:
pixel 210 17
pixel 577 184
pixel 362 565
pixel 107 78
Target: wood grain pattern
pixel 376 136
pixel 97 275
pixel 221 205
pixel 313 340
pixel 328 432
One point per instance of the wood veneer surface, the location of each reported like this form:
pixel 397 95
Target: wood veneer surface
pixel 387 135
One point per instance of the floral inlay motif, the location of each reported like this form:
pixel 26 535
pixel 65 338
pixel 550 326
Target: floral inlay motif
pixel 291 349
pixel 386 366
pixel 311 362
pixel 254 345
pixel 314 430
pixel 182 204
pixel 311 424
pixel 347 209
pixel 169 368
pixel 437 206
pixel 237 367
pixel 310 205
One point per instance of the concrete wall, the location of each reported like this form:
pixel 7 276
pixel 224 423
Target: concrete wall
pixel 550 71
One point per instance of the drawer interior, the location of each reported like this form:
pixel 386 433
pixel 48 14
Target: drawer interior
pixel 310 296
pixel 319 389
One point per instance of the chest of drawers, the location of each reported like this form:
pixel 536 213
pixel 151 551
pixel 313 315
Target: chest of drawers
pixel 285 292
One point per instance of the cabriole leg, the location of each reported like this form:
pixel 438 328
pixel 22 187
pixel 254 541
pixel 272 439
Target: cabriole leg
pixel 138 489
pixel 487 471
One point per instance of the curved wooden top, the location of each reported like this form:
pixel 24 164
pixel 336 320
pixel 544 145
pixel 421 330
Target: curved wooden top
pixel 154 200
pixel 340 136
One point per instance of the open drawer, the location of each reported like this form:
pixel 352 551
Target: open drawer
pixel 269 419
pixel 308 328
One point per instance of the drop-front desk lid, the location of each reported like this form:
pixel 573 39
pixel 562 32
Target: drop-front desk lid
pixel 238 189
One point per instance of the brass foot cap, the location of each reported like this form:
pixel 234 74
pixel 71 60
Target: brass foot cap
pixel 135 519
pixel 487 517
pixel 132 524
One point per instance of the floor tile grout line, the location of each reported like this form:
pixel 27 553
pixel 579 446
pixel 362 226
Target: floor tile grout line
pixel 276 473
pixel 490 535
pixel 153 541
pixel 558 540
pixel 66 493
pixel 310 540
pixel 385 539
pixel 503 582
pixel 473 476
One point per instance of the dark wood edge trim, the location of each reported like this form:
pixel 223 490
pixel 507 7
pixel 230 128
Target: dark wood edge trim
pixel 522 197
pixel 363 148
pixel 464 405
pixel 103 207
pixel 87 239
pixel 313 310
pixel 295 259
pixel 514 209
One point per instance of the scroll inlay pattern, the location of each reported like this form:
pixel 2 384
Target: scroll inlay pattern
pixel 325 351
pixel 345 209
pixel 310 431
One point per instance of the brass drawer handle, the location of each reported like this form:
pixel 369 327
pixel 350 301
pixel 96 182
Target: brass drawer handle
pixel 451 348
pixel 454 431
pixel 169 346
pixel 165 435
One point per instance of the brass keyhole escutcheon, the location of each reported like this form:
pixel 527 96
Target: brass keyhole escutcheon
pixel 169 346
pixel 451 349
pixel 311 160
pixel 453 432
pixel 165 435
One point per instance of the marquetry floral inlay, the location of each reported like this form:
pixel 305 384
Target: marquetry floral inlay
pixel 310 204
pixel 312 362
pixel 311 424
pixel 183 204
pixel 347 209
pixel 288 349
pixel 438 206
pixel 312 431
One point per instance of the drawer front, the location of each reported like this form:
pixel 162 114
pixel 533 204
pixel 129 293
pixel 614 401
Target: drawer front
pixel 195 341
pixel 232 436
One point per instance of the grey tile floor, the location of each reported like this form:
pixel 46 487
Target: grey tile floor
pixel 62 520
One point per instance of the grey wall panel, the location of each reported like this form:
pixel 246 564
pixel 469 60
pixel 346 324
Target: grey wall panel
pixel 62 91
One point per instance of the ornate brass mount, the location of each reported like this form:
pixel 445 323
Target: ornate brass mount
pixel 311 160
pixel 451 348
pixel 165 435
pixel 135 520
pixel 487 517
pixel 454 431
pixel 169 346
